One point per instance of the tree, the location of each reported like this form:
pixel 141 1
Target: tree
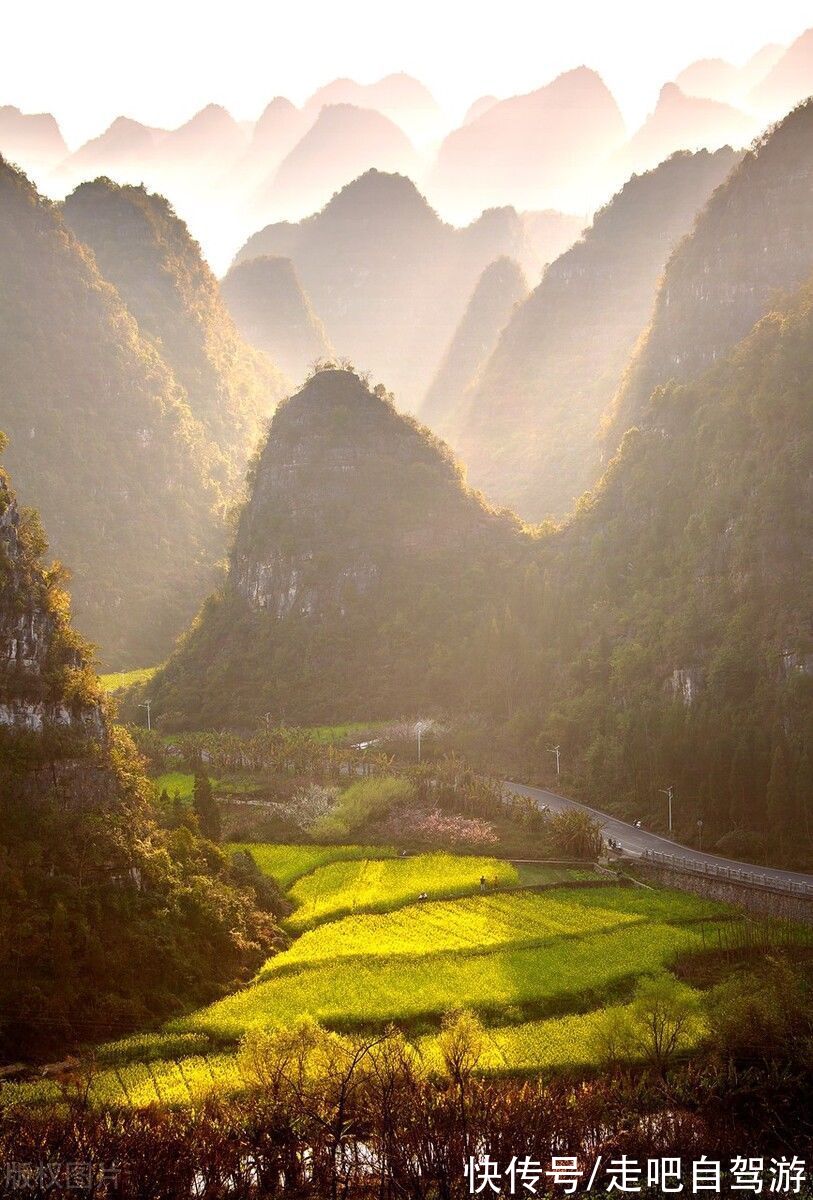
pixel 206 809
pixel 575 834
pixel 761 1016
pixel 664 1017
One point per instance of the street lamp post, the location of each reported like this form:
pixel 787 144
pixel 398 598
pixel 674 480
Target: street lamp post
pixel 148 705
pixel 555 750
pixel 669 793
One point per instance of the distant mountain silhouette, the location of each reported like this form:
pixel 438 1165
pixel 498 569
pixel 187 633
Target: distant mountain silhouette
pixel 272 312
pixel 279 128
pixel 499 289
pixel 400 97
pixel 124 152
pixel 753 239
pixel 716 79
pixel 535 151
pixel 203 146
pixel 789 80
pixel 480 106
pixel 32 140
pixel 193 166
pixel 343 142
pixel 389 279
pixel 681 122
pixel 528 430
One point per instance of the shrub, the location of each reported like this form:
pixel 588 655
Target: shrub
pixel 359 804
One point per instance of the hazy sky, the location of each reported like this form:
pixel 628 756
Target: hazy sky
pixel 161 60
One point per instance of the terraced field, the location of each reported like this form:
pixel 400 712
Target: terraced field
pixel 484 922
pixel 542 969
pixel 555 975
pixel 380 885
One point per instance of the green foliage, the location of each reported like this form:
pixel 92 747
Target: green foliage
pixel 662 1020
pixel 656 637
pixel 206 809
pixel 147 253
pixel 761 1016
pixel 394 563
pixel 575 834
pixel 686 578
pixel 107 922
pixel 363 801
pixel 102 437
pixel 176 783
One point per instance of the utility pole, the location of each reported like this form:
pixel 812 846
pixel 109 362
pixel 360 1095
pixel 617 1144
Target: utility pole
pixel 418 732
pixel 148 705
pixel 669 793
pixel 700 833
pixel 555 750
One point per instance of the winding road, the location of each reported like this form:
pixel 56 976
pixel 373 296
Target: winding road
pixel 636 842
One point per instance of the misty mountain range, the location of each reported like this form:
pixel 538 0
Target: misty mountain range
pixel 562 146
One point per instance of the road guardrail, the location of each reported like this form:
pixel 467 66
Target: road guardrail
pixel 755 879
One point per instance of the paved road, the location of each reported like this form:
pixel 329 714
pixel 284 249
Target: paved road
pixel 635 841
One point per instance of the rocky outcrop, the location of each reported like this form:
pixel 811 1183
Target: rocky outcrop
pixel 38 663
pixel 359 560
pixel 329 519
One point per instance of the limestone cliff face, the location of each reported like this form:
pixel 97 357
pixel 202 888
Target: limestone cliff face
pixel 39 664
pixel 347 492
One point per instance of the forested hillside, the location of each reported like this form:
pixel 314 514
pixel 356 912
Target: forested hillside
pixel 753 240
pixel 101 437
pixel 687 654
pixel 361 573
pixel 106 922
pixel 527 429
pixel 146 252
